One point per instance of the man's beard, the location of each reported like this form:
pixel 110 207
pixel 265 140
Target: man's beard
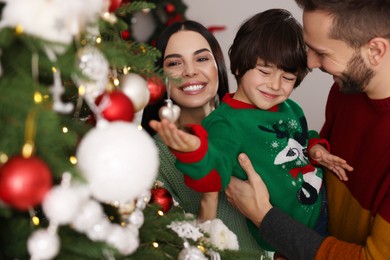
pixel 356 77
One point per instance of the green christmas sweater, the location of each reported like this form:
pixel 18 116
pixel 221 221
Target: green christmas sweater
pixel 276 141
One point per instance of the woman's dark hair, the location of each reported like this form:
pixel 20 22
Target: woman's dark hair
pixel 274 36
pixel 151 111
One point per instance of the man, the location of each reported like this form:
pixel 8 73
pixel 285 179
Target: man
pixel 350 40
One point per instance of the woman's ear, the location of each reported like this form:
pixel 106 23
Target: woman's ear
pixel 378 48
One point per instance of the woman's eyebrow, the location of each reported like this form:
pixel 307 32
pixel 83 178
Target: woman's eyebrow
pixel 202 50
pixel 175 55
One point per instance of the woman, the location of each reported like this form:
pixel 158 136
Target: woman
pixel 192 54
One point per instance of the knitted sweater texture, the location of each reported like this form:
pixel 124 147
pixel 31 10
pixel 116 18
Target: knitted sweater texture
pixel 189 200
pixel 276 141
pixel 358 129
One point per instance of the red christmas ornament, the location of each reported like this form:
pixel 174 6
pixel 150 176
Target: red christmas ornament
pixel 114 5
pixel 125 35
pixel 24 182
pixel 161 197
pixel 156 89
pixel 115 106
pixel 174 19
pixel 170 8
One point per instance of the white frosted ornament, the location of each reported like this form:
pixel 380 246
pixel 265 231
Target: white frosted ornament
pixel 136 218
pixel 43 244
pixel 90 214
pixel 95 68
pixel 136 88
pixel 143 199
pixel 118 160
pixel 191 253
pixel 62 203
pixel 170 111
pixel 124 239
pixel 100 230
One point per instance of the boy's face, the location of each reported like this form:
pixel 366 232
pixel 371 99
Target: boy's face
pixel 265 86
pixel 344 63
pixel 188 57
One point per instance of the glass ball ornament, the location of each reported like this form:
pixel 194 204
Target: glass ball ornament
pixel 114 5
pixel 115 106
pixel 162 197
pixel 118 160
pixel 24 182
pixel 136 88
pixel 156 89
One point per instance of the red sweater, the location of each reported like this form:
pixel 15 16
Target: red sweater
pixel 358 130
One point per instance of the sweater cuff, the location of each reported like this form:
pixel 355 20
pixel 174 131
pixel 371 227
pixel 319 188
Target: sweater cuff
pixel 197 155
pixel 209 183
pixel 289 237
pixel 314 141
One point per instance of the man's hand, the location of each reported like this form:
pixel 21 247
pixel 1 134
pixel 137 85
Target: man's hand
pixel 250 197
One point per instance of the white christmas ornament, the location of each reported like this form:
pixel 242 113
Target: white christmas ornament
pixel 118 160
pixel 90 214
pixel 43 244
pixel 191 253
pixel 186 229
pixel 220 235
pixel 62 203
pixel 94 66
pixel 62 20
pixel 123 239
pixel 170 111
pixel 100 230
pixel 136 218
pixel 136 88
pixel 143 199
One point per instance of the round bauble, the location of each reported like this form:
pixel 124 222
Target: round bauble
pixel 162 197
pixel 118 160
pixel 114 5
pixel 115 106
pixel 136 88
pixel 43 244
pixel 156 89
pixel 63 203
pixel 24 182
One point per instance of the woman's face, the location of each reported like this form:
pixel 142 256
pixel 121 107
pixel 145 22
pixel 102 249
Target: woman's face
pixel 188 58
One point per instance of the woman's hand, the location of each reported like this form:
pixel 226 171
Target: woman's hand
pixel 175 138
pixel 250 197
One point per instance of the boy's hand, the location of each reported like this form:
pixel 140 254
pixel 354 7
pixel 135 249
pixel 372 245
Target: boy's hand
pixel 330 161
pixel 175 138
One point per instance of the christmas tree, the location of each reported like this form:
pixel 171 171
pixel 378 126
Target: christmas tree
pixel 76 171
